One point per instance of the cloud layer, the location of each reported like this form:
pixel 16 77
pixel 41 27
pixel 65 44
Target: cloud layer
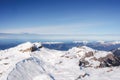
pixel 78 28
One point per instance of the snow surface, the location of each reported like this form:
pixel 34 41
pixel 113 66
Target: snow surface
pixel 101 54
pixel 80 50
pixel 49 64
pixel 24 46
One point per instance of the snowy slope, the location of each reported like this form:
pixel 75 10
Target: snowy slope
pixel 31 61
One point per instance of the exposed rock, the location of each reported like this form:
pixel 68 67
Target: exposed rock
pixel 89 54
pixel 29 47
pixel 82 76
pixel 89 57
pixel 27 50
pixel 116 52
pixel 107 61
pixel 5 63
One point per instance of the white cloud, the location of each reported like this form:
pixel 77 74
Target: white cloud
pixel 56 29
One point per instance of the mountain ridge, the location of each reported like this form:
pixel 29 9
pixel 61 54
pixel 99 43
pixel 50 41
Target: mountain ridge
pixel 50 64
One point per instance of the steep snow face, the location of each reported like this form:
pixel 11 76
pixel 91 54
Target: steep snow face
pixel 9 57
pixel 31 68
pixel 47 64
pixel 24 46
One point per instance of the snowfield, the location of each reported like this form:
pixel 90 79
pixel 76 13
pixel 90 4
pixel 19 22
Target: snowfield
pixel 32 61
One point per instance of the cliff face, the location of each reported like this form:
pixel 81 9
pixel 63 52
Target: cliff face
pixel 97 59
pixel 116 52
pixel 107 61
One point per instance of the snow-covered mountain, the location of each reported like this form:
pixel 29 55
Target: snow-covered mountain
pixel 66 45
pixel 98 45
pixel 99 42
pixel 93 58
pixel 32 61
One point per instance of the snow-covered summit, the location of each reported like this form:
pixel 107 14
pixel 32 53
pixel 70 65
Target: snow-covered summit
pixel 80 51
pixel 94 58
pixel 28 46
pixel 24 46
pixel 11 56
pixel 40 63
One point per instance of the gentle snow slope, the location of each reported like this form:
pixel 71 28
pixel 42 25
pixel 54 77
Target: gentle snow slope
pixel 46 64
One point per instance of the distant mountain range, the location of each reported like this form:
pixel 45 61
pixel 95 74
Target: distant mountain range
pixel 63 45
pixel 99 45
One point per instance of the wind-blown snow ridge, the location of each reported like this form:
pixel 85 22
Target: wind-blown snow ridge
pixel 33 66
pixel 31 61
pixel 28 46
pixel 25 45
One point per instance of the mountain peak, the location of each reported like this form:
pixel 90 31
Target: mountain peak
pixel 47 64
pixel 28 46
pixel 93 58
pixel 80 49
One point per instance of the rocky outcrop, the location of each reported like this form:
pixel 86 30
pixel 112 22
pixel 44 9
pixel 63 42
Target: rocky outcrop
pixel 107 61
pixel 29 47
pixel 92 58
pixel 46 64
pixel 116 52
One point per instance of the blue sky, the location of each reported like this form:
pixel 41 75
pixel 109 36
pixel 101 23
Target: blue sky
pixel 65 17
